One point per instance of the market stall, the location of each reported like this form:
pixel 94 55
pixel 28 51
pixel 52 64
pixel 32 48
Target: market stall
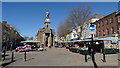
pixel 29 45
pixel 110 44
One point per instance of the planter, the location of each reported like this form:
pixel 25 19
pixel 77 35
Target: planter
pixel 84 52
pixel 111 50
pixel 76 50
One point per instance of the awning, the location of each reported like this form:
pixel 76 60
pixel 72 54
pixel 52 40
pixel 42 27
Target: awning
pixel 30 41
pixel 113 39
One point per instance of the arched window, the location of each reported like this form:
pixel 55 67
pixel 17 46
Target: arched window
pixel 102 32
pixel 107 31
pixel 112 30
pixel 98 24
pixel 118 18
pixel 98 33
pixel 106 21
pixel 111 20
pixel 102 23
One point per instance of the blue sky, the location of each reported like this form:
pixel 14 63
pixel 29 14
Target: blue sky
pixel 28 17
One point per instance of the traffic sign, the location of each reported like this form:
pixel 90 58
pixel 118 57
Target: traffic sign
pixel 92 28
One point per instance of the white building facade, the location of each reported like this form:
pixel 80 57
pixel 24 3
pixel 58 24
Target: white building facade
pixel 86 33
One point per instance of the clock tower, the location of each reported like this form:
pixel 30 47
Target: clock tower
pixel 46 34
pixel 47 21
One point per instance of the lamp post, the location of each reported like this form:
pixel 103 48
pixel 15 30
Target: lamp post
pixel 11 43
pixel 12 58
pixel 4 49
pixel 6 39
pixel 15 38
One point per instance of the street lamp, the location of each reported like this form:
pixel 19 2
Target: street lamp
pixel 15 38
pixel 6 39
pixel 11 43
pixel 4 47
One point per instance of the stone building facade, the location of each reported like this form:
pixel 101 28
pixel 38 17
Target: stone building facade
pixel 10 36
pixel 108 25
pixel 46 34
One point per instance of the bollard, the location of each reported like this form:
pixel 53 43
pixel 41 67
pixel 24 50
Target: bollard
pixel 85 57
pixel 4 54
pixel 25 56
pixel 12 59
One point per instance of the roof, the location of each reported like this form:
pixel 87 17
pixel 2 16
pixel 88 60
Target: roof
pixel 99 16
pixel 95 16
pixel 105 17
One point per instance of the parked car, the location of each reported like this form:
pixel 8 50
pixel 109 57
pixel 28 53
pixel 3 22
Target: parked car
pixel 41 48
pixel 23 48
pixel 20 49
pixel 69 48
pixel 28 48
pixel 34 48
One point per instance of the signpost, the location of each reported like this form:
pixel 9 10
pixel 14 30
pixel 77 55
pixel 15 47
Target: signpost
pixel 92 28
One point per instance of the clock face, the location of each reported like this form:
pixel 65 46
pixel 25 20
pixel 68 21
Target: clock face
pixel 47 20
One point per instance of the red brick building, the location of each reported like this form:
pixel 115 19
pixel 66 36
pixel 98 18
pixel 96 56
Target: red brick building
pixel 108 25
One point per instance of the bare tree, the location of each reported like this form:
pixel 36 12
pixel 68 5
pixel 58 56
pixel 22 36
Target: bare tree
pixel 64 28
pixel 26 38
pixel 31 38
pixel 78 16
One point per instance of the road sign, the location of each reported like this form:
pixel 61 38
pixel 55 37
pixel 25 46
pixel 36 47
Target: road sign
pixel 92 28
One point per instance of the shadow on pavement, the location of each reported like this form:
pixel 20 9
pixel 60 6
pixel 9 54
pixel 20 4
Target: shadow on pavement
pixel 6 59
pixel 30 59
pixel 5 64
pixel 95 65
pixel 118 59
pixel 4 55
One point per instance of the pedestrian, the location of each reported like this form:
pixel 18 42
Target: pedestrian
pixel 89 46
pixel 102 46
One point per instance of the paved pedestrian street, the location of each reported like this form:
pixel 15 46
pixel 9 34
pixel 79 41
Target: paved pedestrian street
pixel 59 57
